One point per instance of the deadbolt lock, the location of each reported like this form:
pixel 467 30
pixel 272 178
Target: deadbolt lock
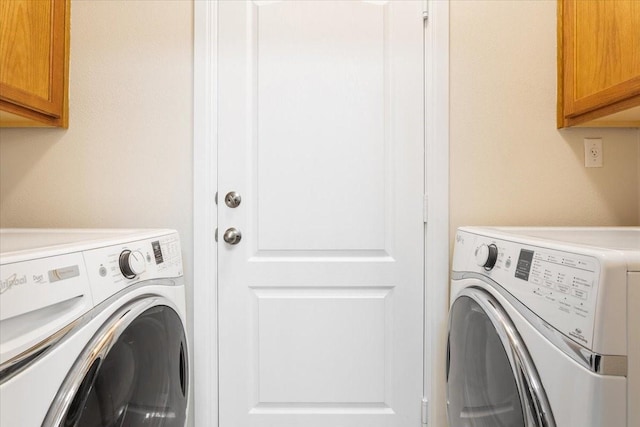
pixel 232 199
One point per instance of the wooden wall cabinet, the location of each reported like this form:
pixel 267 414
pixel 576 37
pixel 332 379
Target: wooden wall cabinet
pixel 34 62
pixel 599 63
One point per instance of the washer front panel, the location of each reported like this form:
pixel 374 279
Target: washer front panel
pixel 577 397
pixel 559 286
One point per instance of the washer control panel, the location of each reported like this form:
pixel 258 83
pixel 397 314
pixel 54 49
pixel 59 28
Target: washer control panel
pixel 116 267
pixel 560 287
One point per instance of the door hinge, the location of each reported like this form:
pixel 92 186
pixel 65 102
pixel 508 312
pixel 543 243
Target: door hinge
pixel 425 411
pixel 425 208
pixel 425 10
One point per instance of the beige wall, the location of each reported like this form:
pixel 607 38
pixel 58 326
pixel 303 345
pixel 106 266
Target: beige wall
pixel 509 163
pixel 126 159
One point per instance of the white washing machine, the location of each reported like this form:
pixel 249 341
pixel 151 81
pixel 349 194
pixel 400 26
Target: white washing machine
pixel 92 328
pixel 544 328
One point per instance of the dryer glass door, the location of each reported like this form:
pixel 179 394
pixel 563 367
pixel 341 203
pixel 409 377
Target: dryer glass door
pixel 481 387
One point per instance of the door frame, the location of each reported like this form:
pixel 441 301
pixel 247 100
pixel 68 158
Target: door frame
pixel 205 316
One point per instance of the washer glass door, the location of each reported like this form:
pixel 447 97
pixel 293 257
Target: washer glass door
pixel 482 390
pixel 133 373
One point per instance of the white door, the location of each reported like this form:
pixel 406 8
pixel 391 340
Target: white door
pixel 321 134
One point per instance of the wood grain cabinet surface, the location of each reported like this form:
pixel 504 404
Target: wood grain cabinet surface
pixel 599 63
pixel 34 62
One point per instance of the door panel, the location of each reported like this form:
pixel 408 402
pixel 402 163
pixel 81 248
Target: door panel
pixel 321 132
pixel 320 87
pixel 344 357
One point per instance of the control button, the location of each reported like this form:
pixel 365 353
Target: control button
pixel 541 292
pixel 580 311
pixel 564 303
pixel 486 256
pixel 102 271
pixel 131 263
pixel 586 265
pixel 580 293
pixel 562 278
pixel 580 281
pixel 552 259
pixel 507 263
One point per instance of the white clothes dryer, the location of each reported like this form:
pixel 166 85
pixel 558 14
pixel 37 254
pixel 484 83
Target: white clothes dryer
pixel 544 328
pixel 92 328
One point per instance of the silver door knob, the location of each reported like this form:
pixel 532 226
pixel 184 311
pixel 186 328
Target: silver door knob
pixel 232 199
pixel 232 236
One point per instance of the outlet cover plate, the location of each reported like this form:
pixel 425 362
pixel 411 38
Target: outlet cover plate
pixel 593 152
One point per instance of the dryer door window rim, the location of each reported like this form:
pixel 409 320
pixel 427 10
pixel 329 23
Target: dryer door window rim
pixel 491 379
pixel 134 371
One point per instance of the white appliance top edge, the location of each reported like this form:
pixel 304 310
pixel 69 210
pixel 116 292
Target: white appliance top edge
pixel 622 241
pixel 625 239
pixel 19 244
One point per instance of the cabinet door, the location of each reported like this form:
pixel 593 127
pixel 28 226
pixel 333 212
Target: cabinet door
pixel 601 56
pixel 33 40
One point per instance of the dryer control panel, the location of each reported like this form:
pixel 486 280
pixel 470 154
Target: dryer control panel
pixel 560 287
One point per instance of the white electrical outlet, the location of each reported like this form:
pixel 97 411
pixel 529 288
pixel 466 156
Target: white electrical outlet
pixel 593 152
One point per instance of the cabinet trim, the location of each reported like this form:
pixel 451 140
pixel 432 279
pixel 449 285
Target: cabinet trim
pixel 560 122
pixel 615 94
pixel 598 117
pixel 32 118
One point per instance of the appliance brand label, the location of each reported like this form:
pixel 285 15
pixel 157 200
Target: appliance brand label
pixel 12 281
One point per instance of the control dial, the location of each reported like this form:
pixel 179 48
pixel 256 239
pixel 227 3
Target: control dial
pixel 132 263
pixel 486 256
